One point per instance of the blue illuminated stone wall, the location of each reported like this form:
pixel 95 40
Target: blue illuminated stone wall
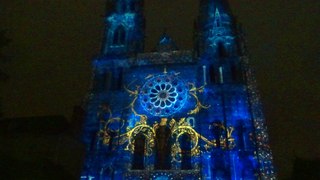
pixel 206 102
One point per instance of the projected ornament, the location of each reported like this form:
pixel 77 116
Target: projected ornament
pixel 163 95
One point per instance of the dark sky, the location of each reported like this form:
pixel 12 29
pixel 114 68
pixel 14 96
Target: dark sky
pixel 53 43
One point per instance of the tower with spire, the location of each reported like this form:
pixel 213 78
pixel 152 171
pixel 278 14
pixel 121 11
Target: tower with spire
pixel 170 113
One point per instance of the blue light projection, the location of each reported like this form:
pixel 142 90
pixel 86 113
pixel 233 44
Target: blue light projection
pixel 126 19
pixel 130 21
pixel 163 95
pixel 201 105
pixel 162 176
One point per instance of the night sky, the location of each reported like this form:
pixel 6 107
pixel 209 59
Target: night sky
pixel 53 43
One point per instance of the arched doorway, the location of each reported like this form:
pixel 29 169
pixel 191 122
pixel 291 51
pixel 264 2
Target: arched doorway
pixel 139 152
pixel 163 146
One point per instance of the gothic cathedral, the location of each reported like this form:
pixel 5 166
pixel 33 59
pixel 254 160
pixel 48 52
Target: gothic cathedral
pixel 174 114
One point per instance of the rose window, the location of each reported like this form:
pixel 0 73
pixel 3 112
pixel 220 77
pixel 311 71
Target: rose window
pixel 163 95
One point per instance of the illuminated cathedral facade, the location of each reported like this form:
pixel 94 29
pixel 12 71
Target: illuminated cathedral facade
pixel 174 114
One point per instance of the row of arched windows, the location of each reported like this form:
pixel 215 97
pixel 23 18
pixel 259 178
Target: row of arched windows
pixel 217 74
pixel 110 80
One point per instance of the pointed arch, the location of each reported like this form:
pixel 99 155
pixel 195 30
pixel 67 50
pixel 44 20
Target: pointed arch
pixel 163 148
pixel 212 74
pixel 119 35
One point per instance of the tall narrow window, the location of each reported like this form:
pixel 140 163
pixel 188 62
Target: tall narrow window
pixel 218 23
pixel 185 145
pixel 212 74
pixel 117 79
pixel 221 50
pixel 119 36
pixel 120 79
pixel 108 80
pixel 163 146
pixel 138 154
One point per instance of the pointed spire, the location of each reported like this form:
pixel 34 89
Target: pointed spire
pixel 217 13
pixel 166 43
pixel 222 5
pixel 217 18
pixel 216 27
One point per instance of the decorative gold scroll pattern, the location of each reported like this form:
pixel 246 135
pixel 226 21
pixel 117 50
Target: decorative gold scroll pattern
pixel 226 141
pixel 135 94
pixel 178 128
pixel 106 132
pixel 193 92
pixel 147 131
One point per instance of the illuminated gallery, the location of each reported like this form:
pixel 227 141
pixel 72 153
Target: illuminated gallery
pixel 174 114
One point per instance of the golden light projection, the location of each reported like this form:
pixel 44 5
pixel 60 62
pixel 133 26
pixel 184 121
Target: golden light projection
pixel 178 128
pixel 193 92
pixel 181 114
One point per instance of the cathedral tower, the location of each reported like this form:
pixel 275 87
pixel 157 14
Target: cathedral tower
pixel 124 33
pixel 174 114
pixel 217 28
